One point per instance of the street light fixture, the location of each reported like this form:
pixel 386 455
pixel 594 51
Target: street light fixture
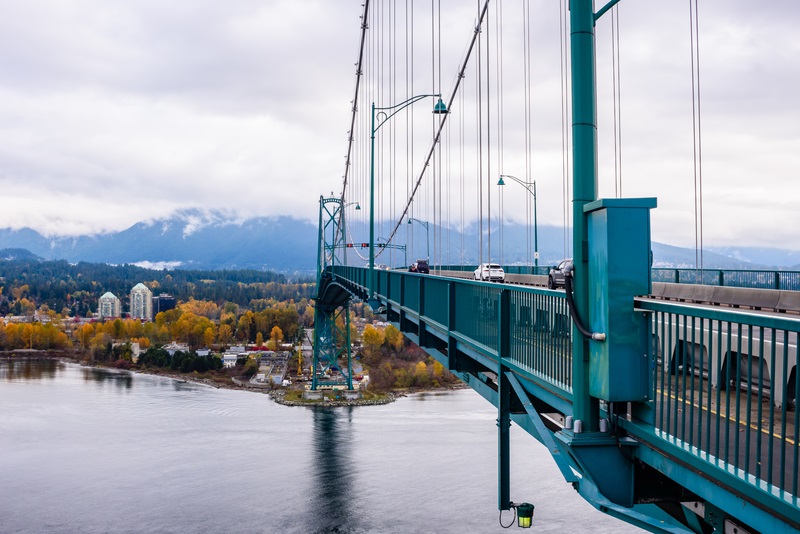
pixel 386 113
pixel 531 188
pixel 427 234
pixel 525 515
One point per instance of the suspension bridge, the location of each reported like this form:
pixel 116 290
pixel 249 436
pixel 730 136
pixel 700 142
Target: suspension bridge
pixel 672 410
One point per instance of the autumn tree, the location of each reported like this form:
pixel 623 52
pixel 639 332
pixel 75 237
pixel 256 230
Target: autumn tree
pixel 208 336
pixel 225 334
pixel 394 338
pixel 244 326
pixel 201 307
pixel 421 376
pixel 372 338
pixel 275 338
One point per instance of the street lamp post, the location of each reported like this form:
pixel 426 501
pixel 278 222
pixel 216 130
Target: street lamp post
pixel 531 188
pixel 387 113
pixel 427 234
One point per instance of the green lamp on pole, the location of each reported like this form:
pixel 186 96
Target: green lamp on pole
pixel 384 114
pixel 531 188
pixel 427 235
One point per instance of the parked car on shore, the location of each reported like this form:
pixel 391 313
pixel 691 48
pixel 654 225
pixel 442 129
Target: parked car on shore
pixel 491 272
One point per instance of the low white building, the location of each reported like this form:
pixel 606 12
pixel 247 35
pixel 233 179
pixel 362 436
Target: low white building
pixel 229 359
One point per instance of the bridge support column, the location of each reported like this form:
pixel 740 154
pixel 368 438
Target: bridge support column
pixel 504 442
pixel 503 405
pixel 584 135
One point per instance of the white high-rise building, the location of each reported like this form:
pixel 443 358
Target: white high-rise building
pixel 141 302
pixel 109 306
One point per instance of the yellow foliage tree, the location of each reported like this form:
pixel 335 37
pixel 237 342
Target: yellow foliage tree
pixel 201 307
pixel 276 336
pixel 225 334
pixel 393 337
pixel 421 376
pixel 372 338
pixel 438 371
pixel 84 334
pixel 208 336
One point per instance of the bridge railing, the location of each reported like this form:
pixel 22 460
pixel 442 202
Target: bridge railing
pixel 538 327
pixel 726 386
pixel 764 279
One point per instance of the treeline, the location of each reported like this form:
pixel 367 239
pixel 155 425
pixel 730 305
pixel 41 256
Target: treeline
pixel 73 290
pixel 185 362
pixel 197 324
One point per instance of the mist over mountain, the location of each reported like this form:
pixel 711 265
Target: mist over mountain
pixel 207 239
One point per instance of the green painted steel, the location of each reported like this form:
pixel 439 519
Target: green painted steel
pixel 741 417
pixel 723 382
pixel 434 298
pixel 619 270
pixel 584 164
pixel 476 305
pixel 698 427
pixel 541 336
pixel 332 305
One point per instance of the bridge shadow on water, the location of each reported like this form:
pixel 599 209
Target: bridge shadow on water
pixel 120 379
pixel 331 503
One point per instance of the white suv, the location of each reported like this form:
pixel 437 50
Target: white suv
pixel 491 272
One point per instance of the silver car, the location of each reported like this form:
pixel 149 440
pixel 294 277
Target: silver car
pixel 556 277
pixel 491 272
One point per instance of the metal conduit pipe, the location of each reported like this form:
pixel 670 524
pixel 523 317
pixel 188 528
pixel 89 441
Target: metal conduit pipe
pixel 573 313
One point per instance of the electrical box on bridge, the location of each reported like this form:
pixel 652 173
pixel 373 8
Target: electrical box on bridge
pixel 619 269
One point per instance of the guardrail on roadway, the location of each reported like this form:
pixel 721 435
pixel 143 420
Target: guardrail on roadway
pixel 755 279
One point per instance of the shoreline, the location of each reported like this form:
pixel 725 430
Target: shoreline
pixel 277 395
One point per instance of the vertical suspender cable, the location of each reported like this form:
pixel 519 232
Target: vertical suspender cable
pixel 526 54
pixel 438 242
pixel 480 149
pixel 694 37
pixel 393 131
pixel 563 17
pixel 430 207
pixel 617 98
pixel 488 145
pixel 354 110
pixel 443 119
pixel 499 91
pixel 461 172
pixel 410 117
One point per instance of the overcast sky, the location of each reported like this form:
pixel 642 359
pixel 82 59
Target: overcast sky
pixel 113 112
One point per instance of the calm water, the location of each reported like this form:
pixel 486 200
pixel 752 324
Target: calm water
pixel 87 450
